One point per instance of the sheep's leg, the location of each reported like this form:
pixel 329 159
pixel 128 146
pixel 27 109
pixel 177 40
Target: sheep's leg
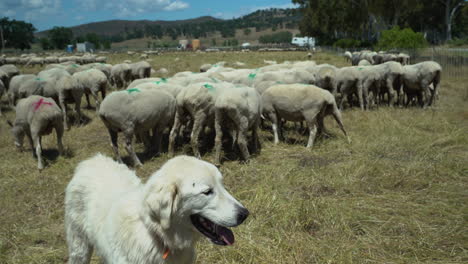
pixel 96 100
pixel 173 134
pixel 115 145
pixel 219 136
pixel 241 138
pixel 391 92
pixel 59 133
pixel 28 135
pixel 255 139
pixel 78 111
pixel 197 127
pixel 337 115
pixel 145 138
pixel 360 95
pixel 87 101
pixel 157 138
pixel 64 110
pixel 321 126
pixel 129 147
pixel 274 125
pixel 312 132
pixel 37 144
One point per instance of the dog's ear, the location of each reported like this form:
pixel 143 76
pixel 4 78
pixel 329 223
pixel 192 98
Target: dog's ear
pixel 162 201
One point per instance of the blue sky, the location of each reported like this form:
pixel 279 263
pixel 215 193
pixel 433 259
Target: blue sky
pixel 45 14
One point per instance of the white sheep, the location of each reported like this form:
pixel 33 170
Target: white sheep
pixel 140 70
pixel 121 75
pixel 2 91
pixel 15 83
pixel 348 82
pixel 10 70
pixel 36 116
pixel 237 110
pixel 299 102
pixel 92 82
pixel 197 103
pixel 61 86
pixel 136 111
pixel 417 79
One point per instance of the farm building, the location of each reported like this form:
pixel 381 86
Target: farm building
pixel 85 47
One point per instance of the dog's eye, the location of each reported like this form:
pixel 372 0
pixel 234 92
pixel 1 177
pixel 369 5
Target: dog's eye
pixel 208 192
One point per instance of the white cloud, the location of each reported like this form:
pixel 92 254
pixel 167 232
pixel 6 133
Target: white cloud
pixel 130 8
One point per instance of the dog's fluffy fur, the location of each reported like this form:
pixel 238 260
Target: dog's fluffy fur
pixel 108 208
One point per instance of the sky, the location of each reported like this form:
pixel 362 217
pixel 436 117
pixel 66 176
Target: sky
pixel 45 14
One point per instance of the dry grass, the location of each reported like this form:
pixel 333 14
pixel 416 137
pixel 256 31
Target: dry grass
pixel 396 194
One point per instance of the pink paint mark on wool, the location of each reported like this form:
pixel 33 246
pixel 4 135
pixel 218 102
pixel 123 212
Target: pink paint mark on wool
pixel 39 103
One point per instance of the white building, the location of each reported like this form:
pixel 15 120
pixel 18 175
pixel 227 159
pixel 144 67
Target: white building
pixel 304 42
pixel 85 47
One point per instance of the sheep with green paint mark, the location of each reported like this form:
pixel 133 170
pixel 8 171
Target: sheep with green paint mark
pixel 237 111
pixel 137 112
pixel 196 103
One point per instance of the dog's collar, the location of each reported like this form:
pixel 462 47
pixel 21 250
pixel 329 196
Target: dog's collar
pixel 166 253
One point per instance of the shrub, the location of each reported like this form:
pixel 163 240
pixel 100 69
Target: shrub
pixel 280 37
pixel 397 38
pixel 458 42
pixel 347 43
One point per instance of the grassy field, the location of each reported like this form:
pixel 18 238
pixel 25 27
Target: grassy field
pixel 396 194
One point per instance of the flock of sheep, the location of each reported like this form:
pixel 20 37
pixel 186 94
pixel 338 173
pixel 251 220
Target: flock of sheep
pixel 232 102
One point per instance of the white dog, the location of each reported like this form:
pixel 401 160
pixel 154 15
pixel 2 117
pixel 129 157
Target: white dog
pixel 127 222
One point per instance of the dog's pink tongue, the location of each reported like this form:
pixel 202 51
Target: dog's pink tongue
pixel 226 235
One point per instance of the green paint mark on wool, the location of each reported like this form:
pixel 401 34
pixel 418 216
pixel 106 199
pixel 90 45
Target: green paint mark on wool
pixel 360 68
pixel 39 79
pixel 74 66
pixel 133 90
pixel 252 76
pixel 214 80
pixel 209 87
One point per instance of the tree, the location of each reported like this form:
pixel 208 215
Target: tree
pixel 45 44
pixel 16 34
pixel 451 7
pixel 60 37
pixel 247 31
pixel 95 39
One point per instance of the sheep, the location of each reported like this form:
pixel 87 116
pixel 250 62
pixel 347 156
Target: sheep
pixel 36 116
pixel 4 78
pixel 2 91
pixel 15 83
pixel 348 82
pixel 61 86
pixel 35 61
pixel 325 76
pixel 348 56
pixel 205 67
pixel 171 88
pixel 390 73
pixel 238 110
pixel 138 82
pixel 51 59
pixel 197 102
pixel 299 102
pixel 403 58
pixel 11 71
pixel 140 70
pixel 364 63
pixel 92 81
pixel 137 111
pixel 121 74
pixel 417 79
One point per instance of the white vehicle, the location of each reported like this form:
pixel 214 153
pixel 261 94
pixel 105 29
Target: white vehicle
pixel 304 42
pixel 245 45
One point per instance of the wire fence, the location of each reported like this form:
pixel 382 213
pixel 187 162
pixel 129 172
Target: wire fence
pixel 454 61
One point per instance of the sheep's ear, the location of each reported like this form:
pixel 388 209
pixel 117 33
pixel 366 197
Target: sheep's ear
pixel 162 201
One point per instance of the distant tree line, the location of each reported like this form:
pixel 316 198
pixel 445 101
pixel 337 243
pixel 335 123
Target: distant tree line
pixel 363 20
pixel 60 37
pixel 277 38
pixel 16 34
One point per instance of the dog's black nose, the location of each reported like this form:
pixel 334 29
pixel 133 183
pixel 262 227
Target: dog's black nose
pixel 242 215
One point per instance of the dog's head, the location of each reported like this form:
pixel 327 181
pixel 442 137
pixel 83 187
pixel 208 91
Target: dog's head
pixel 189 193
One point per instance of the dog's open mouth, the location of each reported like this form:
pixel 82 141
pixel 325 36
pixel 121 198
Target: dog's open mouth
pixel 219 235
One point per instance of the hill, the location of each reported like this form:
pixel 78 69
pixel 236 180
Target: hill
pixel 201 27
